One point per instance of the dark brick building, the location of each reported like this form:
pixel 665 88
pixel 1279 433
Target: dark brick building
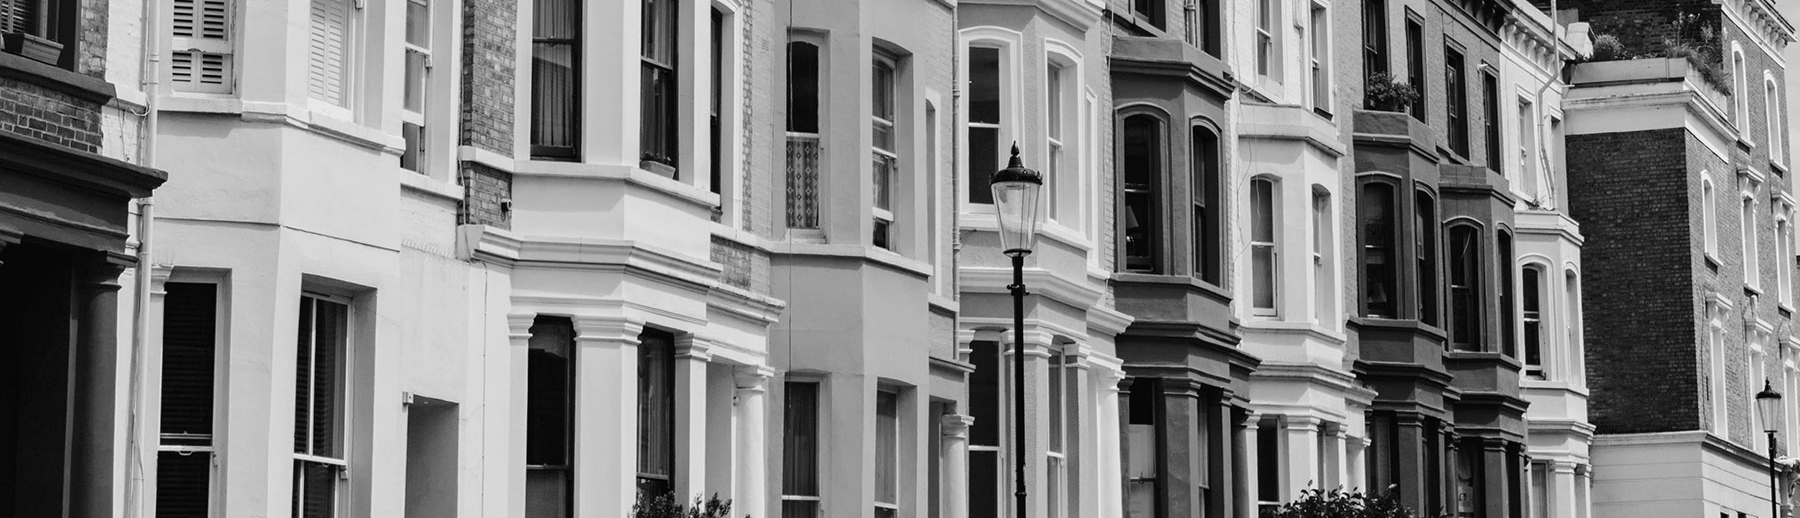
pixel 1679 173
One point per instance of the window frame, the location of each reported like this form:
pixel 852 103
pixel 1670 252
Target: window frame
pixel 1374 38
pixel 415 107
pixel 1391 266
pixel 1323 244
pixel 1152 191
pixel 1207 186
pixel 1150 12
pixel 350 66
pixel 1469 270
pixel 1456 88
pixel 569 428
pixel 1267 21
pixel 538 150
pixel 1510 323
pixel 1005 44
pixel 1428 241
pixel 665 148
pixel 1772 116
pixel 1535 322
pixel 885 187
pixel 892 509
pixel 814 501
pixel 1416 63
pixel 1318 55
pixel 343 417
pixel 645 428
pixel 1750 239
pixel 1490 91
pixel 1272 245
pixel 168 443
pixel 1709 231
pixel 199 47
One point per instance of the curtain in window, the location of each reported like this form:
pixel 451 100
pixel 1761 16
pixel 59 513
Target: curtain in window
pixel 887 454
pixel 556 34
pixel 319 406
pixel 800 450
pixel 1143 165
pixel 1377 214
pixel 657 127
pixel 656 412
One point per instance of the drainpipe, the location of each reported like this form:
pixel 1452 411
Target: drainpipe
pixel 1544 137
pixel 150 70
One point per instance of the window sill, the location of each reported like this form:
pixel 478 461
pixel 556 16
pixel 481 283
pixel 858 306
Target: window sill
pixel 430 186
pixel 1778 167
pixel 1786 308
pixel 1752 290
pixel 1711 261
pixel 83 87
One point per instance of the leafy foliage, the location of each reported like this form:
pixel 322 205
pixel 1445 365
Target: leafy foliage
pixel 1390 94
pixel 665 506
pixel 1338 503
pixel 1608 48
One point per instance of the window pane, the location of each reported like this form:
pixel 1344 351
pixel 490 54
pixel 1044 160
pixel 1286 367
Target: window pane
pixel 799 509
pixel 315 485
pixel 887 447
pixel 1054 373
pixel 984 149
pixel 1426 235
pixel 1378 254
pixel 418 23
pixel 1465 282
pixel 1508 338
pixel 800 440
pixel 1142 167
pixel 181 483
pixel 553 91
pixel 550 392
pixel 189 356
pixel 328 382
pixel 1268 463
pixel 1054 99
pixel 984 85
pixel 1533 315
pixel 656 405
pixel 547 493
pixel 984 393
pixel 803 88
pixel 1263 266
pixel 414 96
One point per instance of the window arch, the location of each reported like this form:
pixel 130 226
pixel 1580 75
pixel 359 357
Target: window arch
pixel 1265 248
pixel 1142 163
pixel 1709 232
pixel 1509 340
pixel 1465 287
pixel 1207 186
pixel 1532 317
pixel 1376 215
pixel 1425 240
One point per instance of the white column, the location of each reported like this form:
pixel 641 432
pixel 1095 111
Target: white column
pixel 955 490
pixel 606 416
pixel 1112 469
pixel 691 355
pixel 752 472
pixel 1339 470
pixel 1560 490
pixel 1247 499
pixel 1082 441
pixel 1303 455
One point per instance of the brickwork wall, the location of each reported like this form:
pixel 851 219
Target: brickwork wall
pixel 92 43
pixel 735 258
pixel 484 188
pixel 1639 303
pixel 486 110
pixel 33 111
pixel 1348 68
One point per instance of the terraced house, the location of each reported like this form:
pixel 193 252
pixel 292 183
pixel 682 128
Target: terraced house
pixel 556 258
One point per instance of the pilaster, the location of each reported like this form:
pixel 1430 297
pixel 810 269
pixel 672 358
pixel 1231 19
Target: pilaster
pixel 691 357
pixel 606 415
pixel 752 467
pixel 954 487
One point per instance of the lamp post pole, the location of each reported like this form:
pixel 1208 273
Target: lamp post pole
pixel 1768 406
pixel 1016 191
pixel 1018 295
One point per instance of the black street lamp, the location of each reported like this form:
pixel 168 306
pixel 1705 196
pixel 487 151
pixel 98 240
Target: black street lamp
pixel 1768 405
pixel 1015 200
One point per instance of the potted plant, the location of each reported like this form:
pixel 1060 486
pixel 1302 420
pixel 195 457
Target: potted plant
pixel 665 506
pixel 1390 94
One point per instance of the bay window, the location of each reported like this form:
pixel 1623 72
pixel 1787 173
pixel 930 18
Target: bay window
pixel 1140 219
pixel 1380 262
pixel 1465 288
pixel 656 413
pixel 887 454
pixel 1208 248
pixel 321 408
pixel 555 80
pixel 658 127
pixel 1264 256
pixel 886 161
pixel 984 127
pixel 1456 90
pixel 1509 341
pixel 1533 281
pixel 549 419
pixel 1425 241
pixel 1149 11
pixel 800 450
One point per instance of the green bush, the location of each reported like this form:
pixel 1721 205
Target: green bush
pixel 1338 503
pixel 1608 48
pixel 664 506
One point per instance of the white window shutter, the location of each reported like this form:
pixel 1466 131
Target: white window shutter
pixel 326 56
pixel 200 57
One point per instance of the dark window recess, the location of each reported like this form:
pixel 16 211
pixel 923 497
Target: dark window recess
pixel 1204 25
pixel 984 122
pixel 1208 247
pixel 1149 11
pixel 1374 38
pixel 1508 336
pixel 555 80
pixel 1456 90
pixel 984 435
pixel 549 419
pixel 1490 108
pixel 1268 464
pixel 1379 264
pixel 189 363
pixel 1143 167
pixel 800 450
pixel 658 130
pixel 1415 63
pixel 715 145
pixel 1143 449
pixel 656 413
pixel 802 87
pixel 1426 240
pixel 1465 288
